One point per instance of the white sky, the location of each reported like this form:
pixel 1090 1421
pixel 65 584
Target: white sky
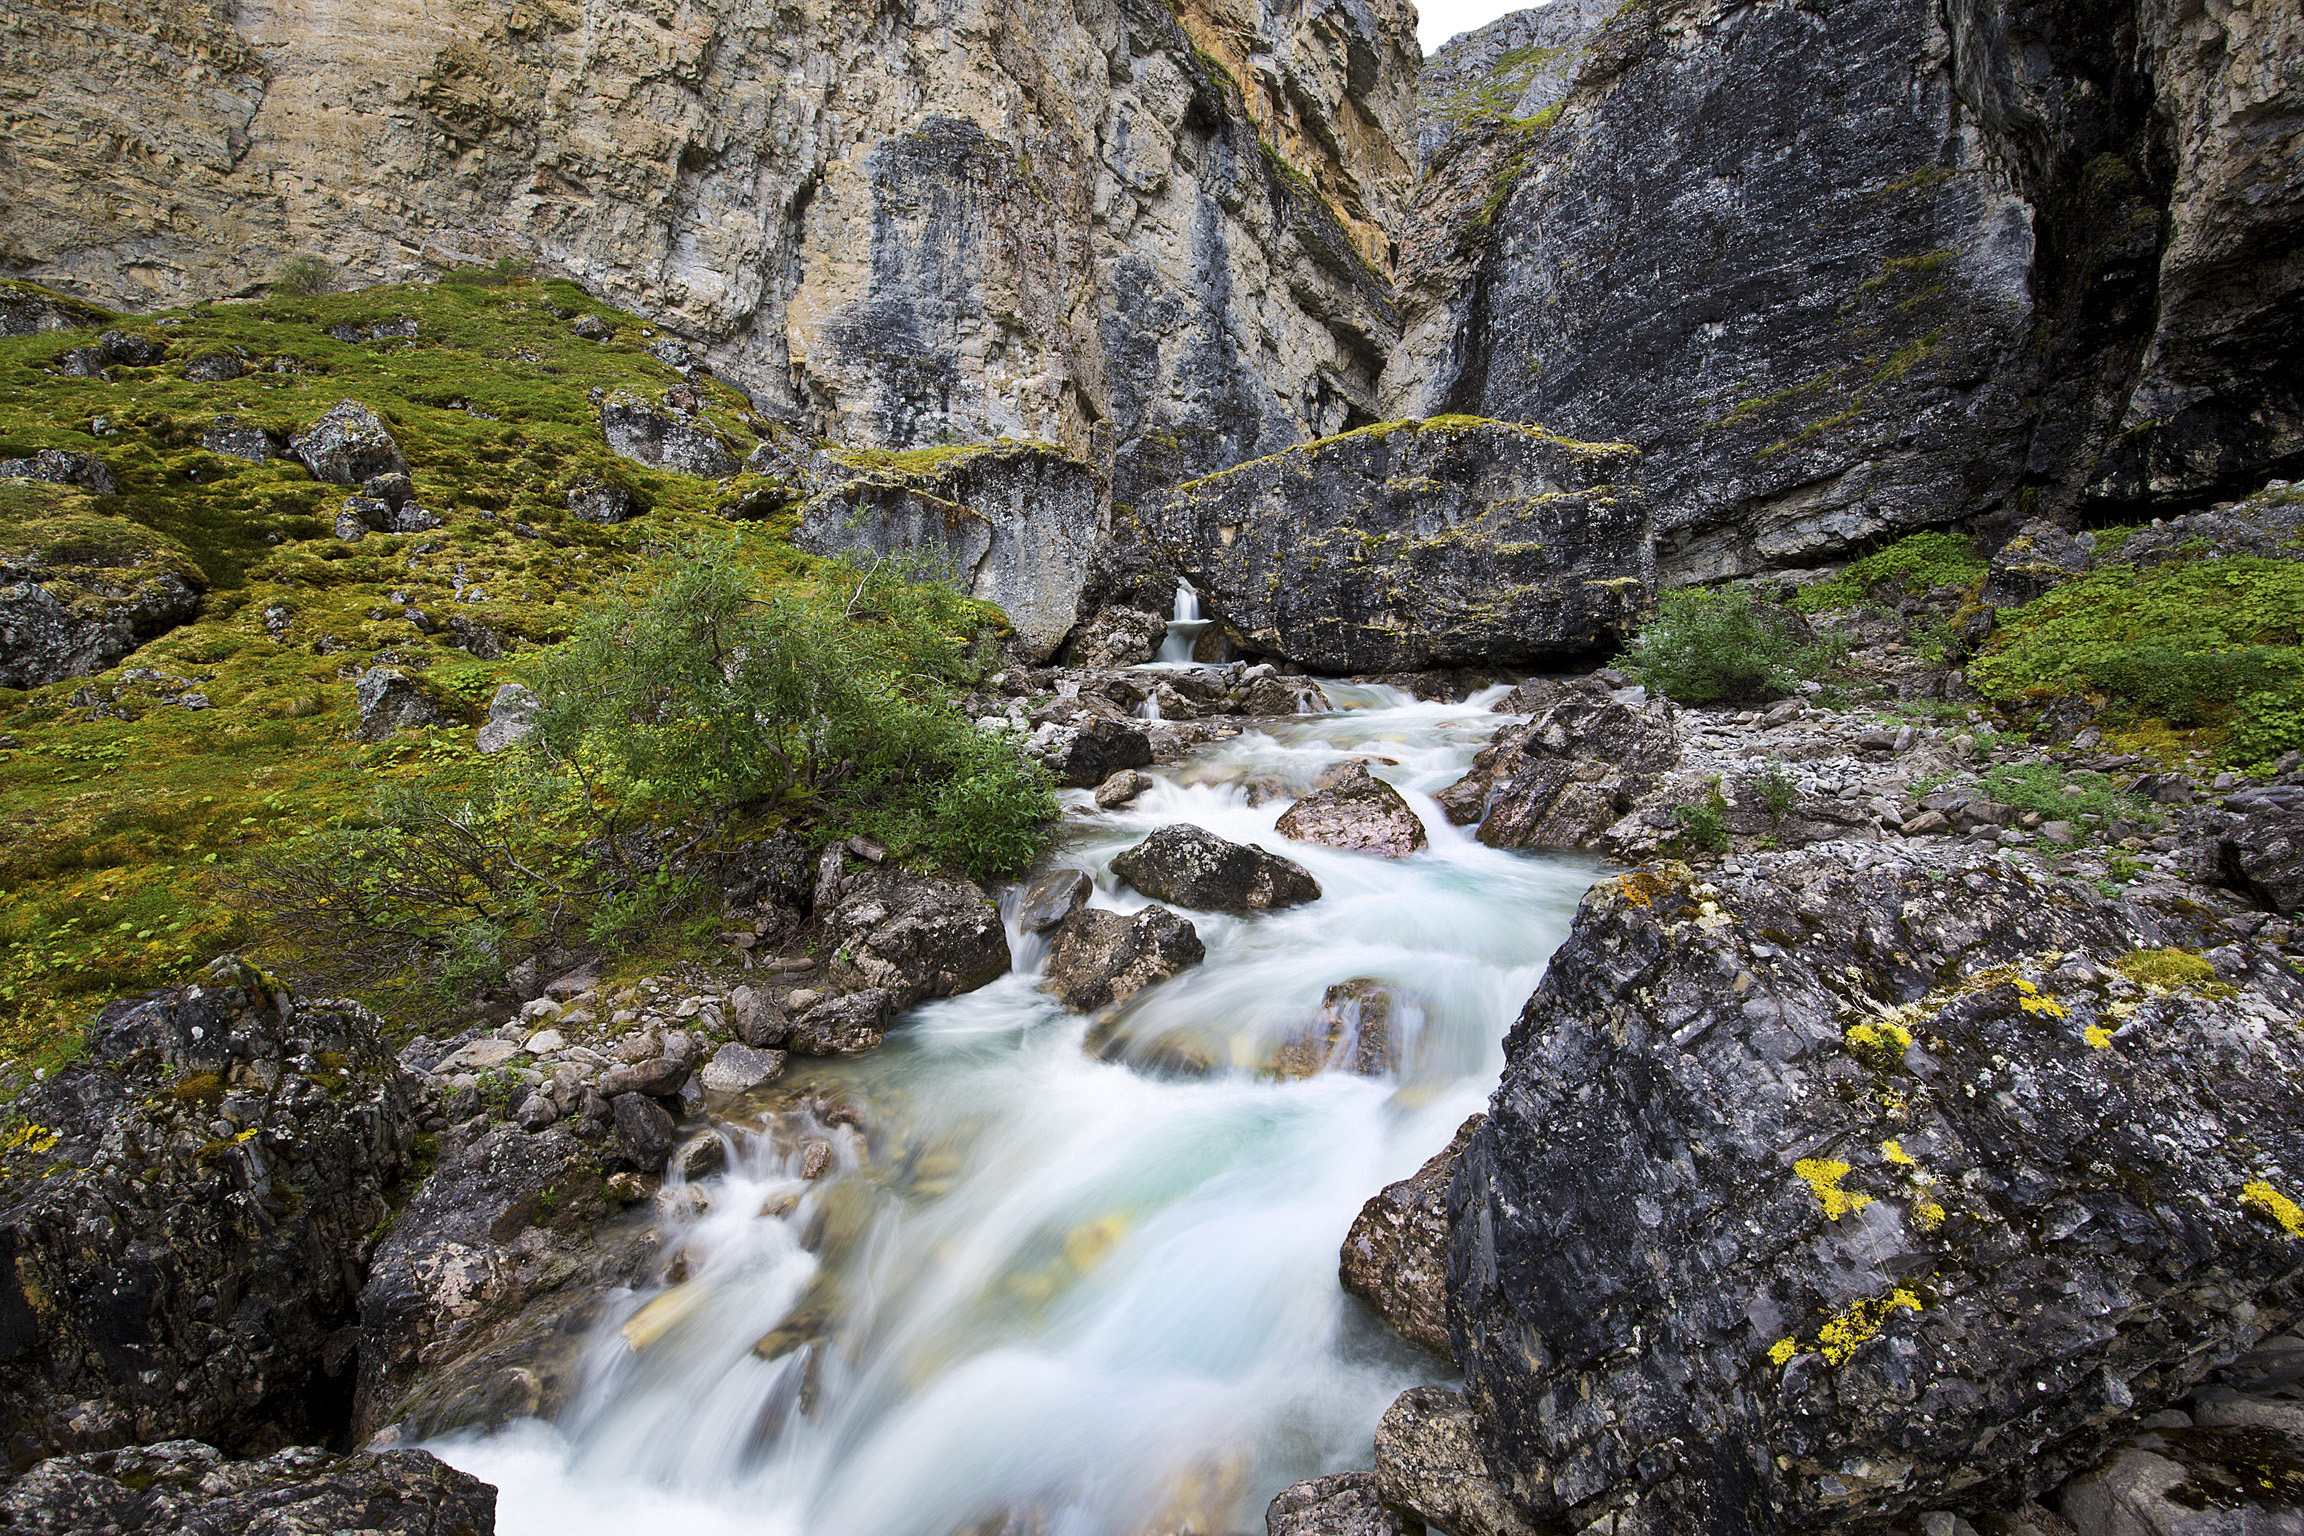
pixel 1440 20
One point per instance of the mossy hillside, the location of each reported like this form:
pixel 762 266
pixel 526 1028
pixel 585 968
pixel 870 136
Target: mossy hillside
pixel 1916 564
pixel 115 823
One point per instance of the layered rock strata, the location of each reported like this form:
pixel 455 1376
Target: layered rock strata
pixel 1158 236
pixel 1417 544
pixel 1935 264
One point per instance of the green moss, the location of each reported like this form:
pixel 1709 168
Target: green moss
pixel 1906 266
pixel 1917 563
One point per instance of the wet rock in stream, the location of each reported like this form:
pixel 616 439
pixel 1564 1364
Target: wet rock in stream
pixel 1099 958
pixel 1358 812
pixel 1193 867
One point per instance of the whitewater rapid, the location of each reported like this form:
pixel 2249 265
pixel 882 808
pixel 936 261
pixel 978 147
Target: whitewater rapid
pixel 1067 1278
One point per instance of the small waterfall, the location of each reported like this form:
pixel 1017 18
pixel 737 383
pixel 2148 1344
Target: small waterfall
pixel 1185 627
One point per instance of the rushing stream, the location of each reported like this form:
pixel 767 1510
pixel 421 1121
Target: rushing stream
pixel 1068 1282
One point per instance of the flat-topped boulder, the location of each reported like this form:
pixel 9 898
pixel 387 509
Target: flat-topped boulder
pixel 1415 544
pixel 1193 867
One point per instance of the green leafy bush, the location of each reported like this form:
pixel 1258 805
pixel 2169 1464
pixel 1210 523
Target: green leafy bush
pixel 304 276
pixel 1777 790
pixel 1919 562
pixel 2061 796
pixel 1707 646
pixel 2187 688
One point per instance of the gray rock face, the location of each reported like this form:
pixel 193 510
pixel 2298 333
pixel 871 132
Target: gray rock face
pixel 26 310
pixel 390 700
pixel 81 471
pixel 1341 1504
pixel 1430 1462
pixel 511 717
pixel 75 615
pixel 1011 523
pixel 2263 854
pixel 664 437
pixel 1563 778
pixel 1052 896
pixel 184 1488
pixel 1509 71
pixel 1416 545
pixel 1924 279
pixel 1883 1170
pixel 1396 1255
pixel 228 436
pixel 474 1307
pixel 1099 958
pixel 592 500
pixel 1061 222
pixel 842 1026
pixel 1119 636
pixel 1360 813
pixel 216 1142
pixel 1098 748
pixel 348 446
pixel 1193 867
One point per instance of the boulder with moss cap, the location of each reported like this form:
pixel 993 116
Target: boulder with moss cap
pixel 1449 542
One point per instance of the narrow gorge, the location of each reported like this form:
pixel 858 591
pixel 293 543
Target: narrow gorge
pixel 1106 768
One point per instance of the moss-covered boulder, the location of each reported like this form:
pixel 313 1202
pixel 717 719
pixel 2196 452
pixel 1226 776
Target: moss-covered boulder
pixel 1448 542
pixel 78 591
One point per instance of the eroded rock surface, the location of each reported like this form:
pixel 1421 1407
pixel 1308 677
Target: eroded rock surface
pixel 1098 958
pixel 1396 1254
pixel 186 1216
pixel 1359 813
pixel 1341 1504
pixel 72 606
pixel 1413 545
pixel 1055 222
pixel 916 937
pixel 1563 778
pixel 185 1488
pixel 1886 1166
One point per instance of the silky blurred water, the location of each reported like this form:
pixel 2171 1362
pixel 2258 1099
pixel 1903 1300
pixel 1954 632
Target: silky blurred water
pixel 1074 1279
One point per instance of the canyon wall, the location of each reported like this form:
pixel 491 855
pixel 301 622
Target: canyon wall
pixel 1845 271
pixel 1159 236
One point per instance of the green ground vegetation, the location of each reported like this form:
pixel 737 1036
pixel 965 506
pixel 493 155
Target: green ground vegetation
pixel 122 817
pixel 2213 648
pixel 1916 564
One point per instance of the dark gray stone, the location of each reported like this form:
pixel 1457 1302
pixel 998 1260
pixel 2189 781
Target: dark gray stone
pixel 1193 867
pixel 1052 896
pixel 1099 958
pixel 185 1488
pixel 348 446
pixel 1415 545
pixel 56 466
pixel 1360 814
pixel 663 437
pixel 1340 1504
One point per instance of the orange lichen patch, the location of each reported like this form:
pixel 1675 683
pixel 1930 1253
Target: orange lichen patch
pixel 1641 887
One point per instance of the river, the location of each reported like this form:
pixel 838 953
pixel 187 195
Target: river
pixel 1065 1283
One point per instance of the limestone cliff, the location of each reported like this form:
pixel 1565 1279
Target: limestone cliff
pixel 1845 271
pixel 1157 236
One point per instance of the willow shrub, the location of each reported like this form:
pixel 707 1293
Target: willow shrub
pixel 693 715
pixel 1707 646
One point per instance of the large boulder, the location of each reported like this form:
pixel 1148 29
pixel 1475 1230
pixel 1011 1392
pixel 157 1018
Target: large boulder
pixel 1565 776
pixel 1099 958
pixel 915 937
pixel 2262 853
pixel 1012 523
pixel 184 1488
pixel 1095 748
pixel 348 446
pixel 77 597
pixel 1193 867
pixel 389 700
pixel 186 1213
pixel 1119 636
pixel 1849 1188
pixel 476 1303
pixel 1396 1254
pixel 1359 813
pixel 1430 1461
pixel 661 437
pixel 1417 544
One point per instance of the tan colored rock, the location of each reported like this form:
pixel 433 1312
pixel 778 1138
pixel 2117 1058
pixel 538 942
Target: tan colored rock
pixel 1359 813
pixel 1396 1254
pixel 1043 220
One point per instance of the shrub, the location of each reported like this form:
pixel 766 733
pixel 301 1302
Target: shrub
pixel 1777 790
pixel 674 725
pixel 2181 687
pixel 304 277
pixel 2265 726
pixel 1707 646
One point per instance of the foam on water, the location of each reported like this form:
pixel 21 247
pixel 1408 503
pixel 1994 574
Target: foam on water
pixel 1081 1281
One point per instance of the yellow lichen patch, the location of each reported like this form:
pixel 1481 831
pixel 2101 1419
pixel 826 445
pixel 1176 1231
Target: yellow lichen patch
pixel 2098 1037
pixel 2032 1000
pixel 1848 1330
pixel 1879 1044
pixel 1824 1175
pixel 2256 1195
pixel 1782 1350
pixel 2165 970
pixel 1925 1209
pixel 29 1138
pixel 1895 1153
